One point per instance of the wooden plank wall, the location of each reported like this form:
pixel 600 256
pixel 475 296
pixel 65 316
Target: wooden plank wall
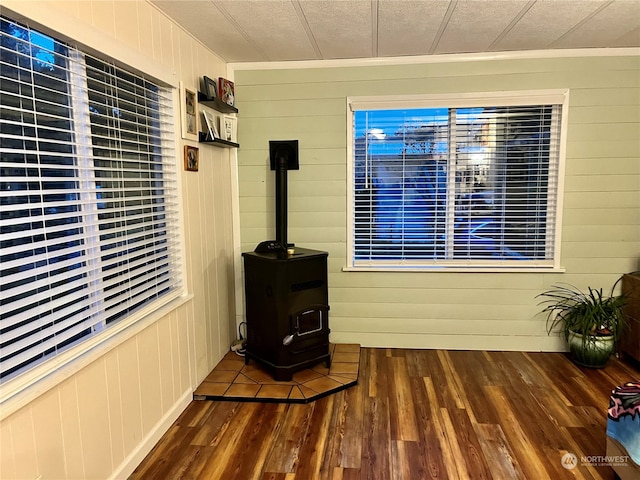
pixel 600 231
pixel 95 421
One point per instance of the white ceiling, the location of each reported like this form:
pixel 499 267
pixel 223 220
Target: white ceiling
pixel 277 30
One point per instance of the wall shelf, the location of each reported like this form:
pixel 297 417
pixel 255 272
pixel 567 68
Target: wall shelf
pixel 220 107
pixel 216 142
pixel 216 104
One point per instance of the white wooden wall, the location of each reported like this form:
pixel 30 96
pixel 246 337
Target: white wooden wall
pixel 101 421
pixel 601 230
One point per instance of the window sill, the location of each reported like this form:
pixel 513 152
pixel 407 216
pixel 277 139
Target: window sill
pixel 25 388
pixel 454 269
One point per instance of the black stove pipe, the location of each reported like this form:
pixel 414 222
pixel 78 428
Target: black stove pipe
pixel 281 199
pixel 283 156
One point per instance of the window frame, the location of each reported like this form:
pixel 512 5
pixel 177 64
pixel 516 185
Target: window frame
pixel 28 385
pixel 456 100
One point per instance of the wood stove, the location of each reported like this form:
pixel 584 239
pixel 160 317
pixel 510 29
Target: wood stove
pixel 286 295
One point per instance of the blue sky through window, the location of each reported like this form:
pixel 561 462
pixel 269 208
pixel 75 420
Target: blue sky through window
pixel 45 54
pixel 42 46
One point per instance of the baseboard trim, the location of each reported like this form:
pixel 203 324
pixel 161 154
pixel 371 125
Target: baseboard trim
pixel 439 341
pixel 126 468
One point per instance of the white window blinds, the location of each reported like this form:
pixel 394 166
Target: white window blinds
pixel 88 224
pixel 473 186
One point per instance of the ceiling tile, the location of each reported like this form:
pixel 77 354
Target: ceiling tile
pixel 475 25
pixel 273 27
pixel 408 27
pixel 605 27
pixel 545 22
pixel 629 39
pixel 342 29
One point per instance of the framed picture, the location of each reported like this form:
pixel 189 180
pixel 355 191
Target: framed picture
pixel 210 88
pixel 226 91
pixel 210 121
pixel 188 113
pixel 228 128
pixel 191 158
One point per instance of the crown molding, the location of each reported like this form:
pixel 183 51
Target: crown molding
pixel 448 58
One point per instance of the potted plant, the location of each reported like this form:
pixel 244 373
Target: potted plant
pixel 590 321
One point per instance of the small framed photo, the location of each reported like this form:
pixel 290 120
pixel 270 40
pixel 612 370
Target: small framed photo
pixel 188 113
pixel 228 128
pixel 210 121
pixel 226 91
pixel 191 158
pixel 210 88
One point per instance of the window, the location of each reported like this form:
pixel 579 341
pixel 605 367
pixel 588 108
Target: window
pixel 461 181
pixel 88 195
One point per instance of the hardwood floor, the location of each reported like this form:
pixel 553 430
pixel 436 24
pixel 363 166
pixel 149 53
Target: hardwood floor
pixel 415 414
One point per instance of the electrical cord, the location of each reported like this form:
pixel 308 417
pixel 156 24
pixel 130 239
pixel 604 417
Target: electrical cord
pixel 238 345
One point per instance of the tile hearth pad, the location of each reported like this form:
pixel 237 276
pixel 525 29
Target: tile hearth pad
pixel 232 380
